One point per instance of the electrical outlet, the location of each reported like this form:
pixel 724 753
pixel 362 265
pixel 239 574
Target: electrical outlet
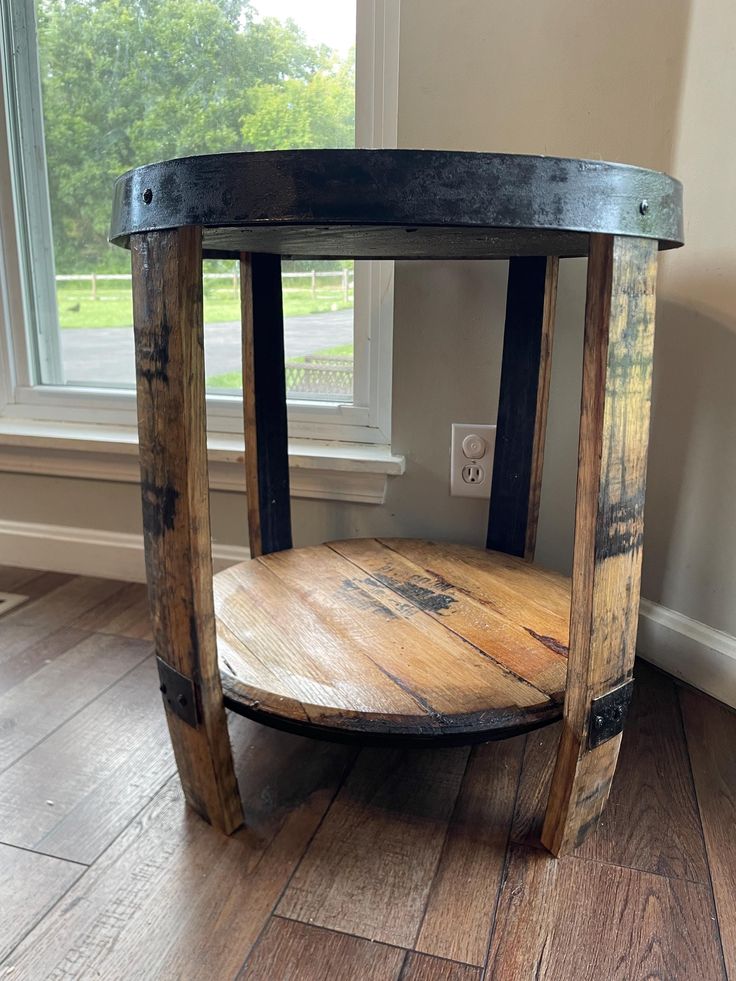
pixel 471 460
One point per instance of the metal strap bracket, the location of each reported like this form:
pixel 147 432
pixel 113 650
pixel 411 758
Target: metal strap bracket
pixel 178 692
pixel 608 714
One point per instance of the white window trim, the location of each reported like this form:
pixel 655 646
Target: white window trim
pixel 48 429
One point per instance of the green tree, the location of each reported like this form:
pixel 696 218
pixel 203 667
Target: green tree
pixel 126 82
pixel 315 111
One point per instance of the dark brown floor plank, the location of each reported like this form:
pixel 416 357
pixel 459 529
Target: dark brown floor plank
pixel 64 602
pixel 30 659
pixel 125 613
pixel 292 951
pixel 536 775
pixel 576 919
pixel 31 582
pixel 74 792
pixel 651 820
pixel 30 884
pixel 420 967
pixel 56 601
pixel 46 699
pixel 711 738
pixel 467 882
pixel 370 867
pixel 173 898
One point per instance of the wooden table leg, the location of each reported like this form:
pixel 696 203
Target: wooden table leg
pixel 169 342
pixel 522 406
pixel 264 404
pixel 614 432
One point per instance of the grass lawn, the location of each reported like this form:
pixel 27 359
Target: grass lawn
pixel 113 306
pixel 234 379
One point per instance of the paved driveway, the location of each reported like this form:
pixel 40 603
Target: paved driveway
pixel 105 355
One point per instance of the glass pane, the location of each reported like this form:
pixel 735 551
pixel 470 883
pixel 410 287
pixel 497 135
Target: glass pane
pixel 125 82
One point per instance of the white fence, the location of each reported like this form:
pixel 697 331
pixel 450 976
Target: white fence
pixel 344 279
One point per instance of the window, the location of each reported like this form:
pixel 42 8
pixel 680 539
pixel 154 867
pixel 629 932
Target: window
pixel 92 87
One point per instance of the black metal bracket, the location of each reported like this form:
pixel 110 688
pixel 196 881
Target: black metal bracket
pixel 178 692
pixel 608 714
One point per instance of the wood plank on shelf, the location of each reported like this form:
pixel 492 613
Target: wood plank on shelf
pixel 351 637
pixel 466 885
pixel 173 898
pixel 293 950
pixel 370 867
pixel 572 918
pixel 30 884
pixel 471 614
pixel 711 738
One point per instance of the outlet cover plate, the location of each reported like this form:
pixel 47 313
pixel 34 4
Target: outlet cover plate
pixel 459 460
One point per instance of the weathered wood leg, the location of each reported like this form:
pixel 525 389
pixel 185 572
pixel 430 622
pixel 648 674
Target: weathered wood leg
pixel 169 341
pixel 264 404
pixel 614 431
pixel 522 407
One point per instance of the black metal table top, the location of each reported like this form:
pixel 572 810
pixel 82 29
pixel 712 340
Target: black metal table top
pixel 408 204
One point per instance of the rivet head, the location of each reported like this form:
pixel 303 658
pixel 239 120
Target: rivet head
pixel 162 689
pixel 644 207
pixel 148 195
pixel 599 720
pixel 181 699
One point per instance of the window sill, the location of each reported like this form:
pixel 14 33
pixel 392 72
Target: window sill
pixel 356 472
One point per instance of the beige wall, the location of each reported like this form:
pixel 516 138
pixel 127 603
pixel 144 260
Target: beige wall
pixel 643 81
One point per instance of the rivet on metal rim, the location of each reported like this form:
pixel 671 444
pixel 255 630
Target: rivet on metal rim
pixel 644 207
pixel 148 195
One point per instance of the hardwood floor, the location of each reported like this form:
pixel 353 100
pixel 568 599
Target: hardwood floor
pixel 371 865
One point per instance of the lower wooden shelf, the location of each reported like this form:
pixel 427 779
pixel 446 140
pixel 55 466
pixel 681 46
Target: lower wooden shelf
pixel 393 640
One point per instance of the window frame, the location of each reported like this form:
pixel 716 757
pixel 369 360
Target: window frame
pixel 367 420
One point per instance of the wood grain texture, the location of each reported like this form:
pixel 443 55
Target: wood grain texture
pixel 711 737
pixel 31 582
pixel 169 343
pixel 36 706
pixel 25 661
pixel 125 613
pixel 522 408
pixel 30 884
pixel 264 404
pixel 469 875
pixel 172 898
pixel 612 456
pixel 369 869
pixel 651 820
pixel 299 952
pixel 420 967
pixel 576 919
pixel 78 788
pixel 358 638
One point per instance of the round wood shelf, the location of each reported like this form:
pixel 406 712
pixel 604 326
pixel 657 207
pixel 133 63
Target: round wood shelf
pixel 393 640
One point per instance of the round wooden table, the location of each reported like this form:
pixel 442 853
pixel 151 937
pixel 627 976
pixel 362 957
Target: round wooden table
pixel 397 640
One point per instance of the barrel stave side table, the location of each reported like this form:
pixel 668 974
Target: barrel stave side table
pixel 394 640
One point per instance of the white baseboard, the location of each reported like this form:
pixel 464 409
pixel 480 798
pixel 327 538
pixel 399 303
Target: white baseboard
pixel 698 654
pixel 87 551
pixel 687 649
